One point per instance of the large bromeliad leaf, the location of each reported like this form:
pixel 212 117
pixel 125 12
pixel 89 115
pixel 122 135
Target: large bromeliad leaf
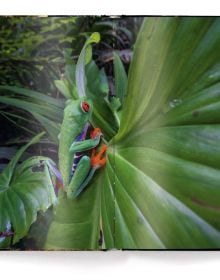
pixel 161 185
pixel 167 157
pixel 25 189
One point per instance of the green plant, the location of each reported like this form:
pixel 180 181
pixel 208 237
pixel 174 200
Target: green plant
pixel 97 90
pixel 48 110
pixel 160 187
pixel 25 189
pixel 33 51
pixel 31 55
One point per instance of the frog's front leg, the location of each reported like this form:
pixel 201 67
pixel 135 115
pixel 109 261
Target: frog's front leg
pixel 84 145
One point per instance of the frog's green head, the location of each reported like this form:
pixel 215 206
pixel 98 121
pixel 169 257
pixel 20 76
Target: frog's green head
pixel 79 109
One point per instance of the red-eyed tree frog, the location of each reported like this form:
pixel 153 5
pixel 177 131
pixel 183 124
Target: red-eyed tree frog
pixel 76 169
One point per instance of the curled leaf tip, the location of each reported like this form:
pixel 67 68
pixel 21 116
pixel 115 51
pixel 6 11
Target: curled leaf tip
pixel 95 37
pixel 37 138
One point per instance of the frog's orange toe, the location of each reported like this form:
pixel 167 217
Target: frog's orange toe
pixel 96 131
pixel 98 160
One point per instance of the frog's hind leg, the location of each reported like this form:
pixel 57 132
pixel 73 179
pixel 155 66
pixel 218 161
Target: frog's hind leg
pixel 97 161
pixel 80 174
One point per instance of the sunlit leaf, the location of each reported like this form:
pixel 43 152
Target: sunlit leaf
pixel 167 150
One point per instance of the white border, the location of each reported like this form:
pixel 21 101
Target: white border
pixel 110 265
pixel 109 7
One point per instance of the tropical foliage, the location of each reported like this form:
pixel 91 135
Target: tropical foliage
pixel 25 189
pixel 160 186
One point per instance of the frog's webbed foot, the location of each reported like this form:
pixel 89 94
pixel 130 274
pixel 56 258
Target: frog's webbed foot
pixel 98 159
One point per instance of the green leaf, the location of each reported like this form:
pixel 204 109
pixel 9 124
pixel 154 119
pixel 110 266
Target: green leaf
pixel 23 192
pixel 48 111
pixel 84 58
pixel 52 127
pixel 104 87
pixel 63 88
pixel 167 160
pixel 103 116
pixel 35 96
pixel 76 222
pixel 120 78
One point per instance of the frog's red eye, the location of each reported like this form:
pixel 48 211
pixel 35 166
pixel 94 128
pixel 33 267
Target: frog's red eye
pixel 85 106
